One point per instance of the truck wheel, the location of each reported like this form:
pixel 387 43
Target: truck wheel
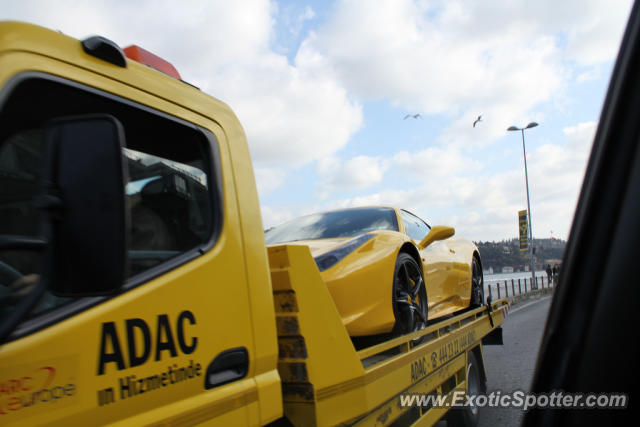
pixel 468 416
pixel 409 296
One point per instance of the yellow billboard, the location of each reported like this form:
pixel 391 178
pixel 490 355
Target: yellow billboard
pixel 522 220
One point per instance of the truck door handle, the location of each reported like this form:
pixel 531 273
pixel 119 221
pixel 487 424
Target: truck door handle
pixel 230 365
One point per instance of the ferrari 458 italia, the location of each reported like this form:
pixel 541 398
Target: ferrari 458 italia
pixel 387 270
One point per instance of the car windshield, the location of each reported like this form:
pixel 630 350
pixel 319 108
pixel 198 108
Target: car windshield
pixel 342 223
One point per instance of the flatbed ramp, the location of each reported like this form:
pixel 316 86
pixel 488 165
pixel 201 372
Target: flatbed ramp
pixel 325 381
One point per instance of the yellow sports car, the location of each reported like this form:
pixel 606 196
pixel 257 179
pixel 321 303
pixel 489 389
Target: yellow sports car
pixel 386 269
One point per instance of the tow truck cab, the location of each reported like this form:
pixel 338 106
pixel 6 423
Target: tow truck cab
pixel 195 279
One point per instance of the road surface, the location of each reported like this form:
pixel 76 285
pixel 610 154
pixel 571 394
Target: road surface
pixel 510 367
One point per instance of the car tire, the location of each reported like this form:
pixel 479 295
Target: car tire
pixel 468 416
pixel 409 296
pixel 477 284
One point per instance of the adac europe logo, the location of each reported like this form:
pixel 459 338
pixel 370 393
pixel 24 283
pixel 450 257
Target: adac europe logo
pixel 33 387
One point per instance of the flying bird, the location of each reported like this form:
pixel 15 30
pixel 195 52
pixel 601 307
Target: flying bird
pixel 415 116
pixel 479 119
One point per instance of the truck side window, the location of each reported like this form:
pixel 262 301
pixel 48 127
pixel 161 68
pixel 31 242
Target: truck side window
pixel 168 202
pixel 168 192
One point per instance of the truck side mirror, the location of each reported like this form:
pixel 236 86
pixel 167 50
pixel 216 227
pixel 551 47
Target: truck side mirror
pixel 438 232
pixel 83 198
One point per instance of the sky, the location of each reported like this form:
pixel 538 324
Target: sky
pixel 322 90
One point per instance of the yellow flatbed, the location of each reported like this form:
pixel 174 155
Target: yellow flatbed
pixel 325 381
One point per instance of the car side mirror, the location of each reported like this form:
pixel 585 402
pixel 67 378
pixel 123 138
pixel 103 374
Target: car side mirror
pixel 83 199
pixel 438 232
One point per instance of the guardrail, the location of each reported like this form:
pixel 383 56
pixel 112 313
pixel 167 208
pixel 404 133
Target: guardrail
pixel 497 289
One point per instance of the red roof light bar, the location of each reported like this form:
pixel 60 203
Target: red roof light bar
pixel 147 58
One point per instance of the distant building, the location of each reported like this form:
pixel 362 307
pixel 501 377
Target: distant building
pixel 507 269
pixel 489 271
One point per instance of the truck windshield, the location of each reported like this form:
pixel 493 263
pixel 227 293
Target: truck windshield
pixel 334 224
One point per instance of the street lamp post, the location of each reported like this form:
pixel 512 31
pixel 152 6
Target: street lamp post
pixel 526 179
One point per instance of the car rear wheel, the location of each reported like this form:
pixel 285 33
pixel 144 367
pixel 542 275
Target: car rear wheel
pixel 409 296
pixel 477 285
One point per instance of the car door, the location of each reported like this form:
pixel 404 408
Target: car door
pixel 462 252
pixel 440 278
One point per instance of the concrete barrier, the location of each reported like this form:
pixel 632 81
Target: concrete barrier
pixel 530 295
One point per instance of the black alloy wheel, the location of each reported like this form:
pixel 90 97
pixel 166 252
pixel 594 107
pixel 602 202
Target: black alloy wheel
pixel 477 285
pixel 409 296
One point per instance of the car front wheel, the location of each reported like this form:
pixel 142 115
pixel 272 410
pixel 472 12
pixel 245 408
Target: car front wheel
pixel 409 296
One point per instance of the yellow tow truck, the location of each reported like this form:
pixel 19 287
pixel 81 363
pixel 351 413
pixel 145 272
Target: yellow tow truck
pixel 135 284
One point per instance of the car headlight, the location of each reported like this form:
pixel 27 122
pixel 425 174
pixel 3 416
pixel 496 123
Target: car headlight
pixel 331 258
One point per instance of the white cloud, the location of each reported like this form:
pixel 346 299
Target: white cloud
pixel 485 205
pixel 559 169
pixel 268 179
pixel 435 163
pixel 556 172
pixel 589 75
pixel 591 30
pixel 456 190
pixel 196 38
pixel 356 173
pixel 431 165
pixel 425 63
pixel 598 31
pixel 295 23
pixel 291 116
pixel 462 59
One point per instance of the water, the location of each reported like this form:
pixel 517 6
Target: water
pixel 508 276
